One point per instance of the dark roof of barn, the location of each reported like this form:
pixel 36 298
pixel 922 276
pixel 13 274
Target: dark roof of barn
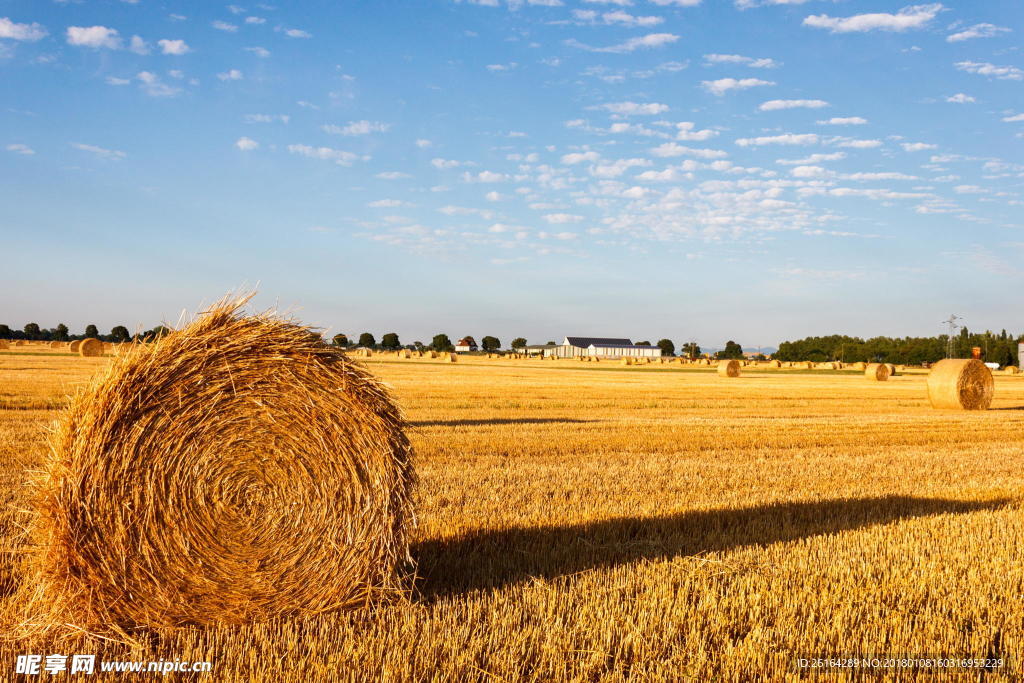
pixel 623 346
pixel 584 342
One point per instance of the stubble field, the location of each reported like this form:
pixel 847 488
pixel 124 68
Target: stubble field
pixel 583 522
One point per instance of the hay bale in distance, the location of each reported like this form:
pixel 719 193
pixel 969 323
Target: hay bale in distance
pixel 775 364
pixel 90 348
pixel 73 346
pixel 877 372
pixel 1011 370
pixel 892 369
pixel 4 345
pixel 626 361
pixel 728 368
pixel 963 384
pixel 450 357
pixel 56 344
pixel 234 471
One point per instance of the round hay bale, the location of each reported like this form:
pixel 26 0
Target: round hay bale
pixel 774 364
pixel 73 346
pixel 877 372
pixel 433 354
pixel 963 384
pixel 21 342
pixel 450 358
pixel 860 366
pixel 56 344
pixel 235 471
pixel 892 369
pixel 1011 370
pixel 626 361
pixel 404 353
pixel 90 348
pixel 108 346
pixel 4 344
pixel 728 368
pixel 805 365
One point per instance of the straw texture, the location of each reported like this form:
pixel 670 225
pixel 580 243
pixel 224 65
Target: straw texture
pixel 237 469
pixel 963 384
pixel 877 372
pixel 728 368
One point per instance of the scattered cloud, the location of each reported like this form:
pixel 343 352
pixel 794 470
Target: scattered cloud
pixel 634 108
pixel 916 146
pixel 502 67
pixel 357 128
pixel 338 156
pixel 1003 73
pixel 784 139
pixel 29 33
pixel 19 148
pixel 672 149
pixel 231 75
pixel 757 63
pixel 246 144
pixel 96 37
pixel 297 33
pixel 812 159
pixel 724 85
pixel 843 121
pixel 1014 119
pixel 579 157
pixel 912 17
pixel 562 218
pixel 977 31
pixel 960 98
pixel 101 152
pixel 774 105
pixel 224 26
pixel 392 175
pixel 387 204
pixel 153 86
pixel 616 17
pixel 445 163
pixel 258 51
pixel 651 40
pixel 138 46
pixel 173 47
pixel 267 118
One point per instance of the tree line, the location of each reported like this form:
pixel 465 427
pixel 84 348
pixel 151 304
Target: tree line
pixel 119 333
pixel 995 348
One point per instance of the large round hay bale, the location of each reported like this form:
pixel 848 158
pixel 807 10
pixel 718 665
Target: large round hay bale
pixel 73 346
pixel 90 348
pixel 774 364
pixel 805 365
pixel 964 384
pixel 728 368
pixel 450 357
pixel 56 345
pixel 237 470
pixel 892 369
pixel 1011 370
pixel 877 372
pixel 404 353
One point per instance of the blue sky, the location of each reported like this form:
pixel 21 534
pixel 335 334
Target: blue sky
pixel 756 170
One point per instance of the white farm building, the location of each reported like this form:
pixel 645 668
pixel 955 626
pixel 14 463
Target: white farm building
pixel 601 347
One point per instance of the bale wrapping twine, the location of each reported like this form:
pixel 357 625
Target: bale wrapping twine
pixel 963 384
pixel 237 469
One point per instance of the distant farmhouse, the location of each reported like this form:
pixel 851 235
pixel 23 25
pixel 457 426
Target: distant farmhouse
pixel 601 347
pixel 465 344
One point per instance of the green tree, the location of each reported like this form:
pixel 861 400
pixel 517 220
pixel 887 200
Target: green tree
pixel 691 350
pixel 441 342
pixel 731 350
pixel 643 343
pixel 91 331
pixel 518 343
pixel 119 334
pixel 5 332
pixel 490 344
pixel 60 333
pixel 340 340
pixel 667 347
pixel 366 340
pixel 390 342
pixel 32 331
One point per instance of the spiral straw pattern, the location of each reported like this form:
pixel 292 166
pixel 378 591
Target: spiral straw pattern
pixel 239 468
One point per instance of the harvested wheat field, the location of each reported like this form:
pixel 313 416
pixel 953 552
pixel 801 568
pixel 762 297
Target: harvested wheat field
pixel 602 522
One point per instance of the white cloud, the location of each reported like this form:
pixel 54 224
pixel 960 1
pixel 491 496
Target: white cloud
pixel 620 3
pixel 338 156
pixel 173 47
pixel 484 177
pixel 757 63
pixel 267 118
pixel 977 31
pixel 231 75
pixel 577 157
pixel 916 146
pixel 26 32
pixel 960 98
pixel 154 87
pixel 93 36
pixel 423 143
pixel 616 17
pixel 969 189
pixel 392 175
pixel 671 149
pixel 634 108
pixel 784 139
pixel 724 85
pixel 855 144
pixel 914 16
pixel 775 105
pixel 883 175
pixel 258 51
pixel 224 26
pixel 1004 73
pixel 843 121
pixel 809 172
pixel 386 204
pixel 494 196
pixel 19 148
pixel 502 67
pixel 235 9
pixel 445 163
pixel 138 46
pixel 255 20
pixel 687 132
pixel 617 167
pixel 812 159
pixel 651 40
pixel 111 154
pixel 246 144
pixel 1013 119
pixel 357 128
pixel 297 33
pixel 562 218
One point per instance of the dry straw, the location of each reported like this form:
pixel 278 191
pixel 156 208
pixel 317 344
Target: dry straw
pixel 1011 370
pixel 877 372
pixel 728 368
pixel 236 470
pixel 450 357
pixel 56 345
pixel 90 348
pixel 73 346
pixel 892 369
pixel 4 345
pixel 964 384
